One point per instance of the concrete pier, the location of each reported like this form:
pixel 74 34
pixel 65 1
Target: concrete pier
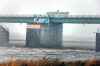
pixel 48 37
pixel 97 42
pixel 4 36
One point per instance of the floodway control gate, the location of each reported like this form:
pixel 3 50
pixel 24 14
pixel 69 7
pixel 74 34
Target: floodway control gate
pixel 51 36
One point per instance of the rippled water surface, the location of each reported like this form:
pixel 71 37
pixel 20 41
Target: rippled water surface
pixel 26 53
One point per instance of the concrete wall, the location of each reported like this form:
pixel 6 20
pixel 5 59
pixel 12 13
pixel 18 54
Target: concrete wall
pixel 98 42
pixel 49 37
pixel 4 36
pixel 17 33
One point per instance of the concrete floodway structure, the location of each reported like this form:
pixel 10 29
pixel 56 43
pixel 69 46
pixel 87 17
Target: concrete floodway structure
pixel 50 37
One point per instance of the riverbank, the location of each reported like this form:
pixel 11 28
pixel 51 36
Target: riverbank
pixel 13 55
pixel 46 62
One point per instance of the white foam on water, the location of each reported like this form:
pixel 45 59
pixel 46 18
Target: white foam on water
pixel 27 53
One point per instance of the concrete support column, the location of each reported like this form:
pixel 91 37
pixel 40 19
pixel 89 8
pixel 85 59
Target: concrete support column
pixel 98 42
pixel 33 37
pixel 48 37
pixel 4 36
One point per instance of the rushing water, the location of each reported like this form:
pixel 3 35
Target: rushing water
pixel 26 53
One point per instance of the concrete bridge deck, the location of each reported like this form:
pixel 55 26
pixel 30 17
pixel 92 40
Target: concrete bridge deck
pixel 48 19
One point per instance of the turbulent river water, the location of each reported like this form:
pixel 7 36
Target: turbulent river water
pixel 62 54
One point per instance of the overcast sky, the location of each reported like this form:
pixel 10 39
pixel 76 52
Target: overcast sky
pixel 91 7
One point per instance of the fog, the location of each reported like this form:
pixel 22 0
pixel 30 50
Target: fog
pixel 26 7
pixel 80 35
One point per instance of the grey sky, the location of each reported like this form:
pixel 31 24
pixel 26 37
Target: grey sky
pixel 42 6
